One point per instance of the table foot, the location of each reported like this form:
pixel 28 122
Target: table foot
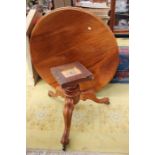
pixel 64 148
pixel 64 142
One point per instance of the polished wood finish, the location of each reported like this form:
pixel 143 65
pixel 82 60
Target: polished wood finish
pixel 84 95
pixel 112 14
pixel 75 73
pixel 72 96
pixel 71 34
pixel 68 77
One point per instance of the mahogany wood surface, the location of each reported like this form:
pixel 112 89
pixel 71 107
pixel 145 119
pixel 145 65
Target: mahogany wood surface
pixel 69 76
pixel 74 78
pixel 71 34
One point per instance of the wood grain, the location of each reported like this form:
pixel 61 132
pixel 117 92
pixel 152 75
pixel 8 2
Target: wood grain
pixel 72 34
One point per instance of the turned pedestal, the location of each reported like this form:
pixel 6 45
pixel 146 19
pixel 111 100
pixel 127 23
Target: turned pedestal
pixel 68 77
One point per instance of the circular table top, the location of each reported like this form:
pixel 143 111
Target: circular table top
pixel 72 34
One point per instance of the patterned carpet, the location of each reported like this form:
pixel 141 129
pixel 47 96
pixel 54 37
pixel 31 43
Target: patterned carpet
pixel 95 128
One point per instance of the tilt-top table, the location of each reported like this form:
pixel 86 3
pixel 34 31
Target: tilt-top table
pixel 72 36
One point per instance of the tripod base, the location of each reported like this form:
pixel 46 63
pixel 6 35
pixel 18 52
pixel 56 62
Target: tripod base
pixel 72 95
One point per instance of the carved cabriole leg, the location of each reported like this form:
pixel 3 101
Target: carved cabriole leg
pixel 90 94
pixel 68 110
pixel 72 96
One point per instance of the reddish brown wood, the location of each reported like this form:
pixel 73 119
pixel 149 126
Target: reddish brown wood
pixel 70 89
pixel 79 74
pixel 112 14
pixel 72 96
pixel 84 95
pixel 90 94
pixel 71 34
